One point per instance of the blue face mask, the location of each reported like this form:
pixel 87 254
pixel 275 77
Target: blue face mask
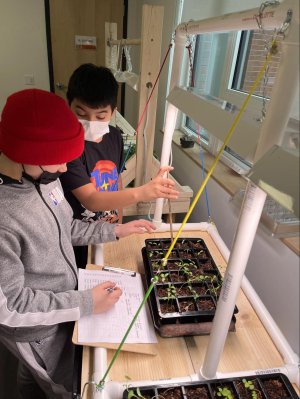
pixel 45 177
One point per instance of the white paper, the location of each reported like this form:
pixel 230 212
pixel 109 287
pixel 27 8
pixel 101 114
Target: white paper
pixel 111 326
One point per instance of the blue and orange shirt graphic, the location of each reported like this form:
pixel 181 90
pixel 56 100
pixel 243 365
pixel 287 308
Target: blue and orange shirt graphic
pixel 105 178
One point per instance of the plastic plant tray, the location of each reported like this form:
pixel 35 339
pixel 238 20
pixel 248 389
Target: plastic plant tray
pixel 188 288
pixel 267 386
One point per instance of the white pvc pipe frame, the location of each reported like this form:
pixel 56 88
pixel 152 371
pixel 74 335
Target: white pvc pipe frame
pixel 271 133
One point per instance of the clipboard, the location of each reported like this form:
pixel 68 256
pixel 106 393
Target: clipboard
pixel 148 349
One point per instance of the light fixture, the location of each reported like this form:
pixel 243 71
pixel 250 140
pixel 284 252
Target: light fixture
pixel 217 116
pixel 277 173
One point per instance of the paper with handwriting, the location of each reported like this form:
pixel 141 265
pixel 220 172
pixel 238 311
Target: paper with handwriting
pixel 112 325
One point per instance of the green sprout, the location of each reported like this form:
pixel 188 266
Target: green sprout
pixel 224 393
pixel 171 292
pixel 250 386
pixel 135 394
pixel 163 276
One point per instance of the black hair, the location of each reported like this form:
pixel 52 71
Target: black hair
pixel 95 86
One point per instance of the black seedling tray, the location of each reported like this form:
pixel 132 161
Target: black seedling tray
pixel 188 287
pixel 267 386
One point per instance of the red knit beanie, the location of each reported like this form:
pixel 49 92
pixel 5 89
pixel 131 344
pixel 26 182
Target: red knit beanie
pixel 38 128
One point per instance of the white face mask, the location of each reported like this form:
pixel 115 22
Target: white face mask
pixel 94 130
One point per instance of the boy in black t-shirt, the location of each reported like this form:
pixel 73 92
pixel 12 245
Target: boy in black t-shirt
pixel 93 181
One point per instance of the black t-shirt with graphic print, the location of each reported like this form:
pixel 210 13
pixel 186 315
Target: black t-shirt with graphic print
pixel 99 164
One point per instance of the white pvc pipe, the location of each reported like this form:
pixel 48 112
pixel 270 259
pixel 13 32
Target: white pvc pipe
pixel 99 368
pixel 273 17
pixel 98 255
pixel 250 215
pixel 165 156
pixel 165 227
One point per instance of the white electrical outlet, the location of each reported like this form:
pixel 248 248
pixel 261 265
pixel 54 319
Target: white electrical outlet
pixel 29 79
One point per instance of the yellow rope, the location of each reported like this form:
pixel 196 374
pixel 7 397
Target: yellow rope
pixel 227 138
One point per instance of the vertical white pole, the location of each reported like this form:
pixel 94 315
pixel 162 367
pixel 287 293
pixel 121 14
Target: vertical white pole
pixel 165 155
pixel 99 368
pixel 249 219
pixel 170 121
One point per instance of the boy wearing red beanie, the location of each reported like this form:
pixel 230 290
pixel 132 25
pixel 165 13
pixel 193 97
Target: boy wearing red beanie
pixel 38 275
pixel 92 181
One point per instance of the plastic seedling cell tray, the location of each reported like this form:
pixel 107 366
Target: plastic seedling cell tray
pixel 268 386
pixel 184 300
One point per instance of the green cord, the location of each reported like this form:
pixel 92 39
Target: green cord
pixel 102 381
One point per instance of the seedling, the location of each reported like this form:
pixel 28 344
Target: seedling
pixel 155 254
pixel 135 394
pixel 224 393
pixel 171 292
pixel 248 384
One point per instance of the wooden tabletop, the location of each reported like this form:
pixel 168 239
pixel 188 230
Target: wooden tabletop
pixel 248 348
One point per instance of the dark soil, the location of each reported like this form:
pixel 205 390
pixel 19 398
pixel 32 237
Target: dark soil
pixel 156 254
pixel 162 292
pixel 170 393
pixel 182 245
pixel 187 306
pixel 172 266
pixel 178 277
pixel 200 289
pixel 186 254
pixel 183 291
pixel 173 254
pixel 153 246
pixel 197 393
pixel 205 304
pixel 167 307
pixel 201 254
pixel 196 245
pixel 191 266
pixel 275 389
pixel 207 265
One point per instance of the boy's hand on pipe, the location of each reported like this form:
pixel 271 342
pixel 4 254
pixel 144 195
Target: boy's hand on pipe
pixel 159 187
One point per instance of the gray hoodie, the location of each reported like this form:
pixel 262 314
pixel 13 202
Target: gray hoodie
pixel 38 274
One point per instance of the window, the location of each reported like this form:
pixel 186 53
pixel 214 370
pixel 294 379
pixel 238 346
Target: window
pixel 225 65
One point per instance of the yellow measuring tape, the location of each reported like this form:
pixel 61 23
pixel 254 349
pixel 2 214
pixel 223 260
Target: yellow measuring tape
pixel 273 50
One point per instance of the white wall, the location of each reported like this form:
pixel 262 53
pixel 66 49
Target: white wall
pixel 23 46
pixel 271 264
